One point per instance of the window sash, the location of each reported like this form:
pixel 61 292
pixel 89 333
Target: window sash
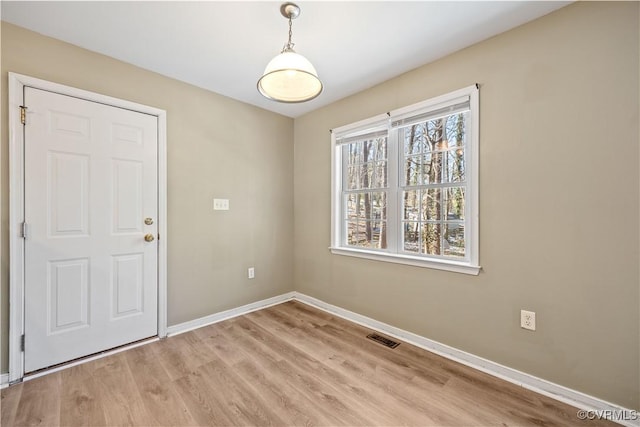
pixel 345 191
pixel 434 113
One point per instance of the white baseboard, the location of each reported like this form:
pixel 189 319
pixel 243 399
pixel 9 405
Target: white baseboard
pixel 530 382
pixel 4 381
pixel 228 314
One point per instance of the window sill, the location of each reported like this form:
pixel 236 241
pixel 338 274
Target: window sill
pixel 454 266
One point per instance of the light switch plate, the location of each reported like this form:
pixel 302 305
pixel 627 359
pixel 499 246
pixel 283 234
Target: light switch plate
pixel 220 204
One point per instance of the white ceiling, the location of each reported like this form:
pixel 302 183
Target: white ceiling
pixel 224 46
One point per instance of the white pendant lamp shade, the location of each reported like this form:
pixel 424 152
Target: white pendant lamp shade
pixel 290 77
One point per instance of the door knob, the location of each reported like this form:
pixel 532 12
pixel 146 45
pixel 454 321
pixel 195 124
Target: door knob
pixel 149 237
pixel 148 221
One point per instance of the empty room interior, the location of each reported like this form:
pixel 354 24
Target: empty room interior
pixel 325 213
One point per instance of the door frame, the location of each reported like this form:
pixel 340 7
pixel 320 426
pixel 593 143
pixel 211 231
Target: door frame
pixel 17 82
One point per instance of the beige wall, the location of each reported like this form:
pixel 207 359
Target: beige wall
pixel 559 190
pixel 217 147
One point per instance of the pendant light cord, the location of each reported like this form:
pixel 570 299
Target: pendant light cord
pixel 289 46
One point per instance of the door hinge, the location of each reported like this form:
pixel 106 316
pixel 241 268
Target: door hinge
pixel 22 343
pixel 23 114
pixel 23 230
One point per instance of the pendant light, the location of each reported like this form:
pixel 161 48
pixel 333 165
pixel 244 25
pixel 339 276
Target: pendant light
pixel 290 77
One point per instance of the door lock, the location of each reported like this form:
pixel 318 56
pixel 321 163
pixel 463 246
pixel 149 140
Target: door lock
pixel 148 221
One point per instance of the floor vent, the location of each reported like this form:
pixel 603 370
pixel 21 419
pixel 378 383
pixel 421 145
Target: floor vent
pixel 383 340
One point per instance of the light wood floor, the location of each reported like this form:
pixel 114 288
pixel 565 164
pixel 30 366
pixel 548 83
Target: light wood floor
pixel 286 365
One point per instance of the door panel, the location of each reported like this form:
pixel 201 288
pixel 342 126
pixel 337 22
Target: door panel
pixel 68 207
pixel 127 196
pixel 68 294
pixel 91 279
pixel 128 285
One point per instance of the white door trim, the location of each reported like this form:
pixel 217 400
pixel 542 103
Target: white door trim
pixel 17 82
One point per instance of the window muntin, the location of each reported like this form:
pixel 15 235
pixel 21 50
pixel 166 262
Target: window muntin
pixel 404 185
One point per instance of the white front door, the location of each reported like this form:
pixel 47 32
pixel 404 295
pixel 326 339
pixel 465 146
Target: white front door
pixel 91 196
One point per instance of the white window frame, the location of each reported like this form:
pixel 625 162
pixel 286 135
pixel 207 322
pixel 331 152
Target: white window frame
pixel 338 246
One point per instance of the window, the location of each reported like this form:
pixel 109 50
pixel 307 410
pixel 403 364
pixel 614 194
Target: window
pixel 405 185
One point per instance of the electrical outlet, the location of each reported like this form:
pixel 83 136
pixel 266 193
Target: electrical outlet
pixel 220 204
pixel 528 320
pixel 251 273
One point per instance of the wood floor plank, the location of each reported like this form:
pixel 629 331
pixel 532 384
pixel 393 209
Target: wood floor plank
pixel 297 376
pixel 286 365
pixel 160 399
pixel 326 384
pixel 201 397
pixel 245 408
pixel 358 377
pixel 290 405
pixel 277 382
pixel 80 403
pixel 260 375
pixel 340 330
pixel 40 402
pixel 405 393
pixel 366 351
pixel 182 354
pixel 215 339
pixel 9 404
pixel 122 403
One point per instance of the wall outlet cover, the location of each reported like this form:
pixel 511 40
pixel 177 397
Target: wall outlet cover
pixel 528 320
